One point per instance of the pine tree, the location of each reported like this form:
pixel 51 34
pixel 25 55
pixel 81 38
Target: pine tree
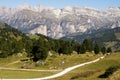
pixel 103 50
pixel 109 50
pixel 65 47
pixel 75 46
pixel 96 49
pixel 88 45
pixel 39 53
pixel 82 49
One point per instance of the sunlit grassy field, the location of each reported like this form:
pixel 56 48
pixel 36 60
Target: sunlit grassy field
pixel 64 61
pixel 99 67
pixel 58 62
pixel 10 59
pixel 52 63
pixel 24 74
pixel 91 71
pixel 4 62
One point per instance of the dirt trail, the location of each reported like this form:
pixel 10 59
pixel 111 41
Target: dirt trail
pixel 62 72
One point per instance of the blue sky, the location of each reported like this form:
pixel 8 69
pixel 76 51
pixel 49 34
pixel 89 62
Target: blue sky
pixel 98 4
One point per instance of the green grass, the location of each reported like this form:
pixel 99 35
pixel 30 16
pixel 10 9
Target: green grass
pixel 10 59
pixel 55 62
pixel 19 73
pixel 111 60
pixel 64 61
pixel 58 62
pixel 23 74
pixel 33 36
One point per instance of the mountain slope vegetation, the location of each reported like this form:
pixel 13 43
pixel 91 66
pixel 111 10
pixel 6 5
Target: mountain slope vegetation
pixel 11 40
pixel 38 46
pixel 107 37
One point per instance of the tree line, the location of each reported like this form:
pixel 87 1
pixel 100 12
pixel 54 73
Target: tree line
pixel 13 41
pixel 41 47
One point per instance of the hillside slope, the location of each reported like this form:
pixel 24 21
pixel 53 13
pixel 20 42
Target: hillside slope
pixel 11 40
pixel 108 37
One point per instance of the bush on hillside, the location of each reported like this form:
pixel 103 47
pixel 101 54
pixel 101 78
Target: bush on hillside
pixel 109 71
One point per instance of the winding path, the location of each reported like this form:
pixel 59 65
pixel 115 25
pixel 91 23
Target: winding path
pixel 62 72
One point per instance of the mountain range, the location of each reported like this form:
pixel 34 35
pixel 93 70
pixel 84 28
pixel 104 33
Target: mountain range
pixel 57 23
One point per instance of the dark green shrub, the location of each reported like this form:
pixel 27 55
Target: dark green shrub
pixel 109 71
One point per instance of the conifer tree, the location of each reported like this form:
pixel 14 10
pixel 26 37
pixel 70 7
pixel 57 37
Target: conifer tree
pixel 103 50
pixel 109 50
pixel 97 49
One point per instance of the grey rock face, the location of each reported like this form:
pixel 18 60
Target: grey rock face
pixel 57 23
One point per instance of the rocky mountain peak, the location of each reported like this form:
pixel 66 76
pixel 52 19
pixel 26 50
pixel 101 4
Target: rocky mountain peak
pixel 24 6
pixel 57 23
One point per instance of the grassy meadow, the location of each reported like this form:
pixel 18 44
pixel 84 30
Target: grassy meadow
pixel 52 63
pixel 92 71
pixel 60 62
pixel 24 74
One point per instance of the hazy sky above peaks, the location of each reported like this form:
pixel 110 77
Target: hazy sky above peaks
pixel 98 4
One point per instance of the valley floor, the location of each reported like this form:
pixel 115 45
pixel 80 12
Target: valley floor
pixel 96 68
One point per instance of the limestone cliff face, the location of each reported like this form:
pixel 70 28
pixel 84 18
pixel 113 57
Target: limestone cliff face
pixel 57 23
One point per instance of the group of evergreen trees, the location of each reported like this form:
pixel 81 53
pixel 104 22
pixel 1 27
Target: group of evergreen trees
pixel 88 46
pixel 104 50
pixel 41 47
pixel 12 41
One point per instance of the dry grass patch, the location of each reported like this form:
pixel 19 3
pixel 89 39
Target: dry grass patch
pixel 85 74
